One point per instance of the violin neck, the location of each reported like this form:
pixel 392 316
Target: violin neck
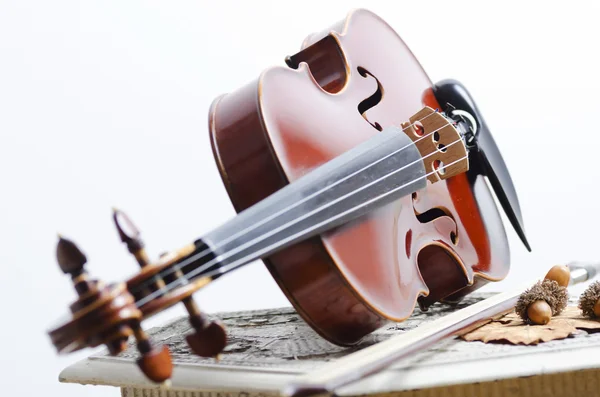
pixel 379 171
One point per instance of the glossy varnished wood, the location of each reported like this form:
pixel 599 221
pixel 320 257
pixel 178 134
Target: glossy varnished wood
pixel 251 172
pixel 340 90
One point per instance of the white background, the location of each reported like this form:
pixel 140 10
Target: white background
pixel 104 103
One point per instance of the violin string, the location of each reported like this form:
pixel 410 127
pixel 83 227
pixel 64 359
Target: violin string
pixel 197 256
pixel 219 244
pixel 242 261
pixel 306 215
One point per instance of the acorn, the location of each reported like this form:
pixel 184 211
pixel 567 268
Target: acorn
pixel 539 312
pixel 541 302
pixel 559 273
pixel 589 301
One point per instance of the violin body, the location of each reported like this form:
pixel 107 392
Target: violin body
pixel 343 87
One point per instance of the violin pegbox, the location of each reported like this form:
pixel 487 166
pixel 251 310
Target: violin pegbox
pixel 441 145
pixel 208 338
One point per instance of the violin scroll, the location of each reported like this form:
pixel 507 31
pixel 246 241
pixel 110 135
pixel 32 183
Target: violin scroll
pixel 105 314
pixel 110 314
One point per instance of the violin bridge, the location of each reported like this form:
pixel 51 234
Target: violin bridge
pixel 439 142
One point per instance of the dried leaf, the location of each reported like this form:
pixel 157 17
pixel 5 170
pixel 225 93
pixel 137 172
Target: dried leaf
pixel 516 332
pixel 576 319
pixel 511 329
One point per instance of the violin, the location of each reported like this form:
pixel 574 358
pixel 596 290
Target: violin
pixel 364 188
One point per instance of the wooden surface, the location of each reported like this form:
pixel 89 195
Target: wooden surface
pixel 268 347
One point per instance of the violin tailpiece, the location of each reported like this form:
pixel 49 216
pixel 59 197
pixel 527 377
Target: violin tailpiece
pixel 439 142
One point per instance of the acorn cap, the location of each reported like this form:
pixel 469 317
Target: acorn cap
pixel 588 299
pixel 547 290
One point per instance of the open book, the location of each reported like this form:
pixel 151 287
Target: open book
pixel 268 348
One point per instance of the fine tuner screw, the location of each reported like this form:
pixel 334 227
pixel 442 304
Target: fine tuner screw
pixel 209 337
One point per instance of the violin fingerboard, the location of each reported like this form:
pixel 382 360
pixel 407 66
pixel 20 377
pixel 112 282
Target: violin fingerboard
pixel 372 174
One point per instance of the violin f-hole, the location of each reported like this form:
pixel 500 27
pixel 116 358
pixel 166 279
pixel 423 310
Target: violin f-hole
pixel 435 213
pixel 326 63
pixel 372 100
pixel 441 272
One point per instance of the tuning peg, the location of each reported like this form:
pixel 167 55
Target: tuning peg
pixel 155 362
pixel 70 258
pixel 209 337
pixel 130 235
pixel 117 341
pixel 72 261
